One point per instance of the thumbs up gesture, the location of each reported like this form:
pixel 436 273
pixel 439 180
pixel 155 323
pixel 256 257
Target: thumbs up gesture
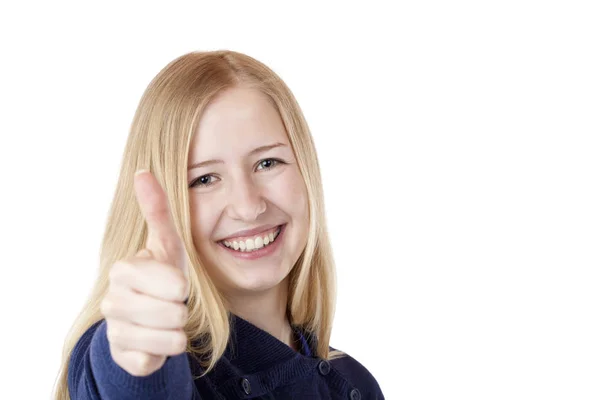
pixel 144 305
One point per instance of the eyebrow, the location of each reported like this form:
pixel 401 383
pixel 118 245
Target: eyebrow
pixel 257 150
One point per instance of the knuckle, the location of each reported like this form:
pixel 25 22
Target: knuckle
pixel 118 271
pixel 114 333
pixel 143 364
pixel 179 342
pixel 180 286
pixel 107 306
pixel 182 315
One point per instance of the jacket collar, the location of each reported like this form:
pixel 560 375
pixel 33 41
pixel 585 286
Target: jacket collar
pixel 252 349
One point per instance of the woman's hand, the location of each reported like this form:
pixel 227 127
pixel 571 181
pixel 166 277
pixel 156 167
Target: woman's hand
pixel 144 306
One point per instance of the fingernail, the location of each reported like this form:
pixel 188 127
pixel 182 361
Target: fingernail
pixel 140 171
pixel 144 253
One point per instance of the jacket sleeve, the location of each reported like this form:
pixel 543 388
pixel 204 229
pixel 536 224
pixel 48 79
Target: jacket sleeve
pixel 93 374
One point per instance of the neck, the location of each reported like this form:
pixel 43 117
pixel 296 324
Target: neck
pixel 266 310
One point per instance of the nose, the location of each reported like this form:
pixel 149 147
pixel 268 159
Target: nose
pixel 245 200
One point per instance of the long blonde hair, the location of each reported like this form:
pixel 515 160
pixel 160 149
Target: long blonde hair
pixel 164 123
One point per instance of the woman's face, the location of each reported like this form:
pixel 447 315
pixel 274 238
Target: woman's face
pixel 248 191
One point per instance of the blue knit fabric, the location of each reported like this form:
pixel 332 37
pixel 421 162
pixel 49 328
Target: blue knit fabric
pixel 255 365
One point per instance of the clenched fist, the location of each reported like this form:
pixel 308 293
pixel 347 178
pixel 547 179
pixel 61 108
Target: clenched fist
pixel 144 306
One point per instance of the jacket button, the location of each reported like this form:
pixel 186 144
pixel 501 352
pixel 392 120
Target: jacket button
pixel 354 394
pixel 246 386
pixel 324 367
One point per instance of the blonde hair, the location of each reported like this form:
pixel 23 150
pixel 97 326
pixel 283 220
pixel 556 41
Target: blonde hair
pixel 161 132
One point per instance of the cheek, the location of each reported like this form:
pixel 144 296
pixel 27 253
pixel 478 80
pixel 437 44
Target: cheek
pixel 291 194
pixel 203 218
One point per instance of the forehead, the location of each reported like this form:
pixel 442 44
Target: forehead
pixel 235 122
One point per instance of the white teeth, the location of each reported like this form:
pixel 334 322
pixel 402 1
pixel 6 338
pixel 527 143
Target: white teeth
pixel 253 244
pixel 258 243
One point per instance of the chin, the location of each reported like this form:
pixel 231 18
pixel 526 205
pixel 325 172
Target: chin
pixel 257 286
pixel 264 279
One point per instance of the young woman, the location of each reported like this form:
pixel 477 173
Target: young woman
pixel 216 278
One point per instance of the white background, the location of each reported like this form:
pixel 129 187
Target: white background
pixel 459 143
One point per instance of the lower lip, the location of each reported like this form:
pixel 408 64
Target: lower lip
pixel 263 252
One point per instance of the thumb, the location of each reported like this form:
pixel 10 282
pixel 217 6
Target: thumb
pixel 163 240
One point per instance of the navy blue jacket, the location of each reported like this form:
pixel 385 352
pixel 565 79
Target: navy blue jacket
pixel 256 365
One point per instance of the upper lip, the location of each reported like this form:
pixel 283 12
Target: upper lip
pixel 250 232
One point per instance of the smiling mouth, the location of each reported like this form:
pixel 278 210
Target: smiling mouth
pixel 254 243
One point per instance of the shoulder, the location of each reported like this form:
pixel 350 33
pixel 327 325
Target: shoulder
pixel 79 366
pixel 83 343
pixel 357 374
